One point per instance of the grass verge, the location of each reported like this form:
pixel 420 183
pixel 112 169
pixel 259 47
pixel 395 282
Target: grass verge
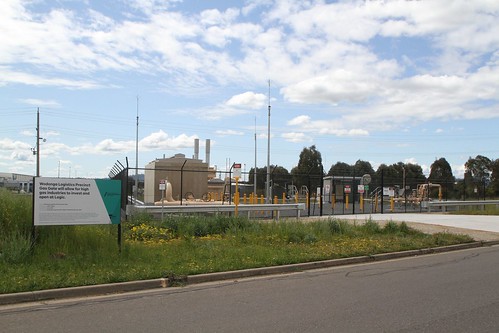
pixel 66 256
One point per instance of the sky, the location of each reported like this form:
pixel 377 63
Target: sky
pixel 378 81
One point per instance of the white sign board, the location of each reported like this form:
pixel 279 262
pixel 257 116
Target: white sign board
pixel 389 191
pixel 162 185
pixel 237 170
pixel 69 201
pixel 327 189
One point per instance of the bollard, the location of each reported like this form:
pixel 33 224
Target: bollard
pixel 283 197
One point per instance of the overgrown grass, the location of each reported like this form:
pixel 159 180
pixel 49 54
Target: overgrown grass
pixel 66 256
pixel 489 210
pixel 15 226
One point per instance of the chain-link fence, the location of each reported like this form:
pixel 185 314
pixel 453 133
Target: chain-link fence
pixel 191 182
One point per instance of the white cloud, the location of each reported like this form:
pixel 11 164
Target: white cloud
pixel 40 102
pixel 249 100
pixel 229 132
pixel 296 137
pixel 8 76
pixel 162 141
pixel 299 121
pixel 9 144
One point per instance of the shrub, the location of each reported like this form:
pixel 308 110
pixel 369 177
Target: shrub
pixel 334 226
pixel 16 248
pixel 371 227
pixel 404 228
pixel 391 228
pixel 15 213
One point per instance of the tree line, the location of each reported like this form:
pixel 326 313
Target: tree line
pixel 481 177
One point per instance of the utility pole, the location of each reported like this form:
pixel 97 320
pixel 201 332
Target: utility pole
pixel 38 142
pixel 269 199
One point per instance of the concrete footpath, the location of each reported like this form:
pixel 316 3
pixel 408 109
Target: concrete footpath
pixel 484 229
pixel 480 227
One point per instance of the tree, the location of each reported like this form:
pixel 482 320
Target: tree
pixel 362 167
pixel 479 167
pixel 478 172
pixel 340 169
pixel 309 170
pixel 394 175
pixel 261 177
pixel 441 173
pixel 278 175
pixel 495 178
pixel 280 178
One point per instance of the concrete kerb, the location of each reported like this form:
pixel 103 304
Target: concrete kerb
pixel 122 287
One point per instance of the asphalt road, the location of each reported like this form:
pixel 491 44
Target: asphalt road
pixel 449 292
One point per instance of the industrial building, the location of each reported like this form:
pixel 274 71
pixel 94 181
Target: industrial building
pixel 16 182
pixel 188 176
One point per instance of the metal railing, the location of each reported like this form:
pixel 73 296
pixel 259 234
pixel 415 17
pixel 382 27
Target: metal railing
pixel 216 209
pixel 470 203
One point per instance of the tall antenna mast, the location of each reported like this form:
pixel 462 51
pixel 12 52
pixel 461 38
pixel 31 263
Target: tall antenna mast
pixel 268 192
pixel 137 154
pixel 254 171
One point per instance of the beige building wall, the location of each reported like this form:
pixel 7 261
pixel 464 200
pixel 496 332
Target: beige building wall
pixel 194 177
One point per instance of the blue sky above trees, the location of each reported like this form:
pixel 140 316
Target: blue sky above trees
pixel 380 81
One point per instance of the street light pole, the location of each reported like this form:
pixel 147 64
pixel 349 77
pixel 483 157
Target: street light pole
pixel 137 154
pixel 269 199
pixel 254 171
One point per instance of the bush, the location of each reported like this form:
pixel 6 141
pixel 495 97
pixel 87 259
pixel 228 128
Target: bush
pixel 15 213
pixel 371 227
pixel 334 226
pixel 16 248
pixel 391 228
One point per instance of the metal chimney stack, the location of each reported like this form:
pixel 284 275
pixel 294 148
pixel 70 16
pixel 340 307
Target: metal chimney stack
pixel 208 152
pixel 196 149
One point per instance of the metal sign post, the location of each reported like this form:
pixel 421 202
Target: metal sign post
pixel 237 175
pixel 162 188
